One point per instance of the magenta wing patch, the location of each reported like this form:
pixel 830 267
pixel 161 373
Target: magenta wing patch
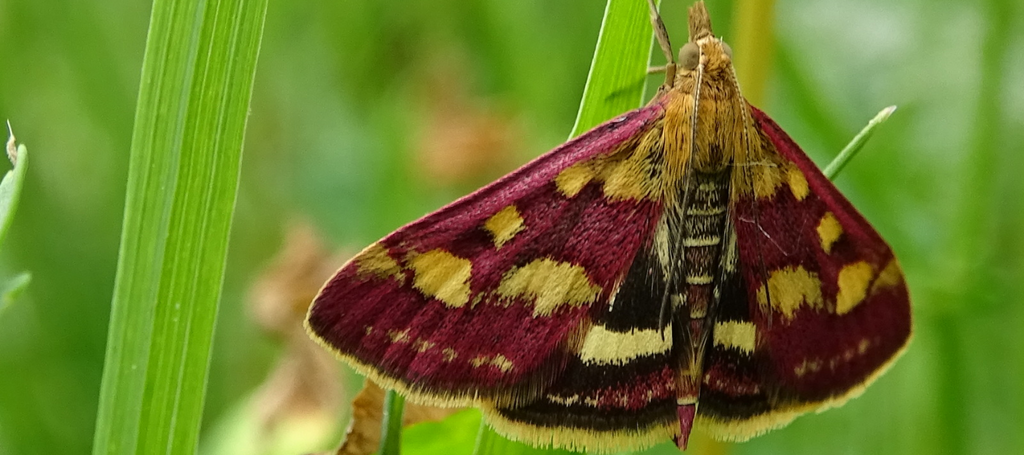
pixel 483 297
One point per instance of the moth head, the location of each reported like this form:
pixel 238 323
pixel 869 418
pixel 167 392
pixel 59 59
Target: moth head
pixel 704 50
pixel 712 53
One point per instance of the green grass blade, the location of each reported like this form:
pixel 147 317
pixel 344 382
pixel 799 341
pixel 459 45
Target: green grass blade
pixel 618 73
pixel 197 77
pixel 858 141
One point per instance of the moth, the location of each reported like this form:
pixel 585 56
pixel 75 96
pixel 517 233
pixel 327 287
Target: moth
pixel 684 264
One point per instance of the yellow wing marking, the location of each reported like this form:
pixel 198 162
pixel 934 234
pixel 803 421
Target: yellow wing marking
pixel 443 276
pixel 603 347
pixel 504 225
pixel 631 171
pixel 573 178
pixel 551 284
pixel 789 288
pixel 853 285
pixel 797 183
pixel 375 260
pixel 890 276
pixel 829 231
pixel 498 361
pixel 736 334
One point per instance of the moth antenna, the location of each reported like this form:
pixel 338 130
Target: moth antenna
pixel 661 33
pixel 665 298
pixel 669 273
pixel 666 46
pixel 674 252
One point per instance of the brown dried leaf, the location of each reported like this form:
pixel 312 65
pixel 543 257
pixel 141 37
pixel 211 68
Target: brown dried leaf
pixel 282 294
pixel 363 434
pixel 304 385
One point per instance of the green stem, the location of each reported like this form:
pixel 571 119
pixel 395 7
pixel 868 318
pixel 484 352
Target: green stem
pixel 391 424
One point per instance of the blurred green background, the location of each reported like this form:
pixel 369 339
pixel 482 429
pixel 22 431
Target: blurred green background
pixel 368 114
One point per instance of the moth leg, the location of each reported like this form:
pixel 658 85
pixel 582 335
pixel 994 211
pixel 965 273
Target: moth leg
pixel 657 69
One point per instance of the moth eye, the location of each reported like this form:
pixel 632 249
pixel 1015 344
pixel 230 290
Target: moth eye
pixel 689 56
pixel 727 49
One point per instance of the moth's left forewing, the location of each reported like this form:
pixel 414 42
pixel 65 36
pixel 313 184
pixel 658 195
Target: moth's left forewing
pixel 484 299
pixel 819 290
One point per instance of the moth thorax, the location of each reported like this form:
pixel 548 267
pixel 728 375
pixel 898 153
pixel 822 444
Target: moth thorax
pixel 710 159
pixel 719 128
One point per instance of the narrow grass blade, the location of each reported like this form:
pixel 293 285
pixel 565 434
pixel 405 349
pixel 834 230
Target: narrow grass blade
pixel 837 164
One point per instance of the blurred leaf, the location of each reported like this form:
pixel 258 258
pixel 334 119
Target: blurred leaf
pixel 243 429
pixel 454 435
pixel 10 194
pixel 197 77
pixel 12 289
pixel 10 186
pixel 363 436
pixel 753 42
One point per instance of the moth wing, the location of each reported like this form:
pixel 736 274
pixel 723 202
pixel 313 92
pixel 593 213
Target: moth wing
pixel 618 390
pixel 483 298
pixel 817 307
